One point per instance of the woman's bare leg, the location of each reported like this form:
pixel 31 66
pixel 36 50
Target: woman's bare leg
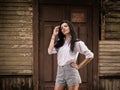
pixel 75 87
pixel 58 87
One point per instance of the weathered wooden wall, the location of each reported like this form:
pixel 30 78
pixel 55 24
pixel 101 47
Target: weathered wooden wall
pixel 15 37
pixel 109 58
pixel 109 46
pixel 110 83
pixel 16 83
pixel 109 65
pixel 110 20
pixel 16 49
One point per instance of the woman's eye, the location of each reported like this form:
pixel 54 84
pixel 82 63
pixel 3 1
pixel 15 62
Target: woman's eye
pixel 66 26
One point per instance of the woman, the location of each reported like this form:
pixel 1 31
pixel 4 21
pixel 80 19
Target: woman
pixel 67 48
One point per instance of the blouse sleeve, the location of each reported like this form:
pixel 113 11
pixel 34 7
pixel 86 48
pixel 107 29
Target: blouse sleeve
pixel 54 51
pixel 83 49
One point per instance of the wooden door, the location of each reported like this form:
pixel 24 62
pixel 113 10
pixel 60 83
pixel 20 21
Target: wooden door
pixel 50 16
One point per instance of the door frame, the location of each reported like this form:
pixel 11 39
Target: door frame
pixel 36 43
pixel 35 27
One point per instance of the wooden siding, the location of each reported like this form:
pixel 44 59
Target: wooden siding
pixel 109 65
pixel 111 20
pixel 109 83
pixel 109 58
pixel 109 46
pixel 16 37
pixel 16 83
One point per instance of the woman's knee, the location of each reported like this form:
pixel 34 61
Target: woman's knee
pixel 57 87
pixel 74 87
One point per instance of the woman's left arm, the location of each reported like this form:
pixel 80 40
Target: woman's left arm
pixel 82 48
pixel 82 64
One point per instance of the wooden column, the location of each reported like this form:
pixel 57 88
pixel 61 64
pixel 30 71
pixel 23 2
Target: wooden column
pixel 35 45
pixel 95 47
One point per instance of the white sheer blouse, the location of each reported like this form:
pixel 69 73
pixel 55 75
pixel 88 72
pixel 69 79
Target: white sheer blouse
pixel 66 56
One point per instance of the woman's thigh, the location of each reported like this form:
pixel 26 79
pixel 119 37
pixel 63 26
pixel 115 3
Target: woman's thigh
pixel 59 87
pixel 74 87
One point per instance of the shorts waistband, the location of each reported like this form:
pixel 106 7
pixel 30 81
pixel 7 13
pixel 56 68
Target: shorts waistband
pixel 66 65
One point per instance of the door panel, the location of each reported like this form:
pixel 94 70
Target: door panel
pixel 50 17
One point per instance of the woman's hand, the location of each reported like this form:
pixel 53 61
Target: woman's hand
pixel 82 64
pixel 56 30
pixel 74 65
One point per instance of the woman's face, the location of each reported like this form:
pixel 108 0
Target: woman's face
pixel 65 28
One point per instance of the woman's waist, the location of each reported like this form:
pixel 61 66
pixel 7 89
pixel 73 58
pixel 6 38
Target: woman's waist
pixel 66 62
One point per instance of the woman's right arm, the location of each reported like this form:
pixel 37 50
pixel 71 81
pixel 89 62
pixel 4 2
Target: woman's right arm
pixel 52 41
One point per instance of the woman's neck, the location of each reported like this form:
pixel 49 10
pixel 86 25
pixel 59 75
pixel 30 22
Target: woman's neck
pixel 68 37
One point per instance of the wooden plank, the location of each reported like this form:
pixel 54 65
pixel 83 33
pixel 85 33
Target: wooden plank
pixel 15 54
pixel 15 17
pixel 11 8
pixel 48 64
pixel 15 21
pixel 109 57
pixel 24 34
pixel 16 4
pixel 109 46
pixel 15 42
pixel 111 20
pixel 15 50
pixel 113 7
pixel 15 37
pixel 16 13
pixel 109 42
pixel 16 58
pixel 10 63
pixel 112 27
pixel 95 43
pixel 110 83
pixel 109 64
pixel 15 72
pixel 109 68
pixel 115 53
pixel 111 3
pixel 113 35
pixel 16 25
pixel 116 84
pixel 107 73
pixel 14 29
pixel 113 14
pixel 112 49
pixel 16 46
pixel 36 47
pixel 109 61
pixel 105 68
pixel 13 1
pixel 18 82
pixel 16 67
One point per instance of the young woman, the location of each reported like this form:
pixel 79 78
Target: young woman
pixel 67 48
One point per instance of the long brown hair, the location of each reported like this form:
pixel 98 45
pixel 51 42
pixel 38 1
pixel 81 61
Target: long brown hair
pixel 61 36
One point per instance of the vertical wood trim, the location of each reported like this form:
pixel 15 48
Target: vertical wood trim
pixel 95 47
pixel 35 45
pixel 90 38
pixel 102 27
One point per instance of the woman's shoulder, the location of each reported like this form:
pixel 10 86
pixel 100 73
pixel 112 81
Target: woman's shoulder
pixel 79 41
